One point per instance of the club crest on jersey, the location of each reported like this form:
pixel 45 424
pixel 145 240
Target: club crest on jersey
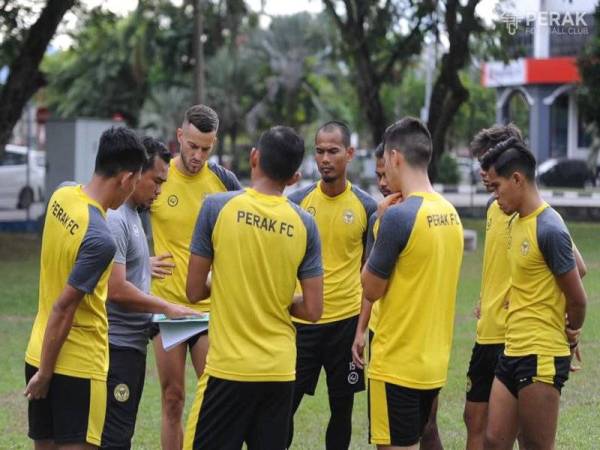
pixel 121 392
pixel 348 216
pixel 525 247
pixel 311 210
pixel 488 224
pixel 172 200
pixel 136 230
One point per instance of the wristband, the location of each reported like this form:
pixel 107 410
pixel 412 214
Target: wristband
pixel 573 345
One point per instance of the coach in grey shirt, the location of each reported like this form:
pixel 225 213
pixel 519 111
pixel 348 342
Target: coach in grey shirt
pixel 129 305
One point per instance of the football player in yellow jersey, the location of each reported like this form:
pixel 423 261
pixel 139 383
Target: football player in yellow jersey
pixel 545 285
pixel 369 311
pixel 413 271
pixel 258 244
pixel 491 310
pixel 342 212
pixel 173 216
pixel 66 362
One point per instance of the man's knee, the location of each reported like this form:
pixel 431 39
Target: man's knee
pixel 475 420
pixel 173 401
pixel 493 441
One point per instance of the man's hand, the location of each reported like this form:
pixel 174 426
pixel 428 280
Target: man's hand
pixel 358 349
pixel 575 355
pixel 477 310
pixel 160 267
pixel 174 311
pixel 388 201
pixel 37 388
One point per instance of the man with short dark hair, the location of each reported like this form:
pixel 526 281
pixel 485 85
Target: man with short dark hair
pixel 491 310
pixel 129 305
pixel 257 244
pixel 545 288
pixel 413 339
pixel 66 362
pixel 172 215
pixel 341 211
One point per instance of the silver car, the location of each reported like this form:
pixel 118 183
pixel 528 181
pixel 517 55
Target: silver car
pixel 15 189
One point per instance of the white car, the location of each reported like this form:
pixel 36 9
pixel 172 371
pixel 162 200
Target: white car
pixel 15 189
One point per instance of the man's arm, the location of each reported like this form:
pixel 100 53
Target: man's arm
pixel 373 286
pixel 358 346
pixel 197 287
pixel 581 266
pixel 571 285
pixel 310 306
pixel 127 295
pixel 57 329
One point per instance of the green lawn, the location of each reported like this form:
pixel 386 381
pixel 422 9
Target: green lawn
pixel 580 409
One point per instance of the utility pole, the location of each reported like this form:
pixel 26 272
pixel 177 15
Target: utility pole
pixel 198 49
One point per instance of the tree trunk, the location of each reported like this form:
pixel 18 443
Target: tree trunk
pixel 24 77
pixel 368 90
pixel 448 91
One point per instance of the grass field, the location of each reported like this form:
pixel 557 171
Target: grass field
pixel 580 407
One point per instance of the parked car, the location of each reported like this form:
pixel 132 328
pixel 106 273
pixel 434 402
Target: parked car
pixel 573 173
pixel 15 191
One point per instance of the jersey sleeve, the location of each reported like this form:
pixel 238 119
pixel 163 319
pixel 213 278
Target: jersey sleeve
pixel 370 206
pixel 227 177
pixel 118 228
pixel 371 233
pixel 201 244
pixel 299 195
pixel 395 229
pixel 555 242
pixel 95 254
pixel 311 265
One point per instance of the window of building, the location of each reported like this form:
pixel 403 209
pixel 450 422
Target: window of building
pixel 559 126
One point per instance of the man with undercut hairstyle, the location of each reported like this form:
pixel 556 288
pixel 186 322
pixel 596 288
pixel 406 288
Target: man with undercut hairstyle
pixel 413 273
pixel 172 216
pixel 342 212
pixel 257 244
pixel 66 361
pixel 546 309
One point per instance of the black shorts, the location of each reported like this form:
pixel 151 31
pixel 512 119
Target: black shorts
pixel 328 345
pixel 517 372
pixel 154 330
pixel 482 368
pixel 225 414
pixel 72 412
pixel 126 375
pixel 398 414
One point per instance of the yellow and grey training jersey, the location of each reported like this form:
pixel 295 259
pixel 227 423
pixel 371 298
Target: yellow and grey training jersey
pixel 343 225
pixel 419 250
pixel 259 246
pixel 372 236
pixel 173 216
pixel 540 249
pixel 495 277
pixel 77 250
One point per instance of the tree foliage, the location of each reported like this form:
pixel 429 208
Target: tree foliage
pixel 22 49
pixel 380 40
pixel 589 68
